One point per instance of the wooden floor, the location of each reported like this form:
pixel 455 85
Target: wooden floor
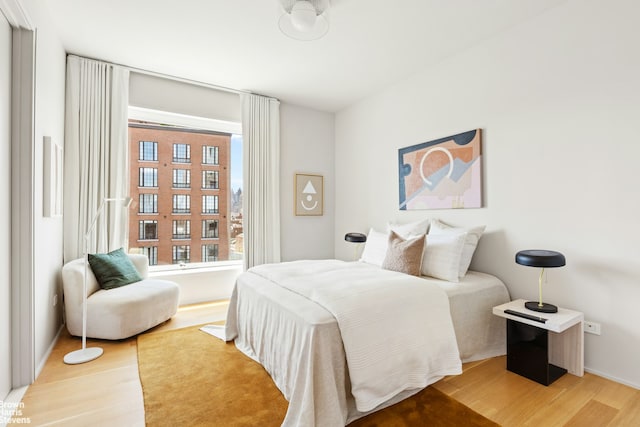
pixel 107 392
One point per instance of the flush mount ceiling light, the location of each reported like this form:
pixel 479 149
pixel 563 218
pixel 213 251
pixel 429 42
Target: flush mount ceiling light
pixel 304 20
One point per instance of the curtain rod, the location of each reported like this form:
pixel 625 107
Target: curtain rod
pixel 170 77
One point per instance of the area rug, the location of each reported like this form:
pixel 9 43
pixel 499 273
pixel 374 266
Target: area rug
pixel 190 378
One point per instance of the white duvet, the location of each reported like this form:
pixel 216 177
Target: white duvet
pixel 396 329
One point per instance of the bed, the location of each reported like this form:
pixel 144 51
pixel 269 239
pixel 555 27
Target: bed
pixel 276 317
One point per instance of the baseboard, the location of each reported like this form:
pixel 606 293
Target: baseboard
pixel 12 407
pixel 612 378
pixel 44 359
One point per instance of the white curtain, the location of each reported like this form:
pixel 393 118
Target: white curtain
pixel 96 155
pixel 261 179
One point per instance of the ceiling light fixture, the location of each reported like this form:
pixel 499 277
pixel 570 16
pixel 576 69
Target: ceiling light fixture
pixel 304 20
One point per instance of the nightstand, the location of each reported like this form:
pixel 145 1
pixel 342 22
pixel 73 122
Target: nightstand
pixel 543 346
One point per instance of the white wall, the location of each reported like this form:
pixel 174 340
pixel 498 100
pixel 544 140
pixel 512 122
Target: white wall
pixel 174 96
pixel 306 146
pixel 49 121
pixel 557 99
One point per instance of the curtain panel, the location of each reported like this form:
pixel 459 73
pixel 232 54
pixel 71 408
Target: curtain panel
pixel 96 155
pixel 261 179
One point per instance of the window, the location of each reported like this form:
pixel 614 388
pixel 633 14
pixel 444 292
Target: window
pixel 148 204
pixel 209 253
pixel 210 180
pixel 182 229
pixel 197 162
pixel 152 253
pixel 209 155
pixel 148 151
pixel 148 230
pixel 181 178
pixel 181 254
pixel 148 177
pixel 181 153
pixel 181 203
pixel 210 205
pixel 210 229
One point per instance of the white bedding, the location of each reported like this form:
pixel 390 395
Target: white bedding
pixel 299 342
pixel 384 353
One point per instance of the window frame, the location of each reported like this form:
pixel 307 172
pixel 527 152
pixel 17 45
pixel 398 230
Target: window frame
pixel 142 151
pixel 177 209
pixel 215 182
pixel 142 203
pixel 142 229
pixel 215 210
pixel 193 122
pixel 176 182
pixel 206 156
pixel 176 158
pixel 205 229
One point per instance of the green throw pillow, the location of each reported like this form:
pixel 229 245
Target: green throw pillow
pixel 114 269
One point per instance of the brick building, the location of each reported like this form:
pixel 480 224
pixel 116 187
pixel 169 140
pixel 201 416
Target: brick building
pixel 179 179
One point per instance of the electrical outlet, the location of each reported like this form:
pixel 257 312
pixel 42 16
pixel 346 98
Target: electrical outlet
pixel 55 300
pixel 592 327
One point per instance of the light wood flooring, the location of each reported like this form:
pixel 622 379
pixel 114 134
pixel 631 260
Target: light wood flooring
pixel 107 391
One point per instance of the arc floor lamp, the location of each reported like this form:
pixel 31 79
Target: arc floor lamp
pixel 88 354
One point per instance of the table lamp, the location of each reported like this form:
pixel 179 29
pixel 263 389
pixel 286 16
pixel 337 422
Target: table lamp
pixel 356 238
pixel 544 259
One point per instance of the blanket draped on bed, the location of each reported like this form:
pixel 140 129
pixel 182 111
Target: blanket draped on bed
pixel 396 329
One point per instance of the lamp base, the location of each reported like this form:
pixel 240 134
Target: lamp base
pixel 82 356
pixel 544 308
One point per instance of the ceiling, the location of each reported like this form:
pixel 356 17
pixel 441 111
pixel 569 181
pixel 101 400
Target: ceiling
pixel 237 44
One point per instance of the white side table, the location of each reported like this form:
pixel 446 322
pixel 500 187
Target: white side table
pixel 546 346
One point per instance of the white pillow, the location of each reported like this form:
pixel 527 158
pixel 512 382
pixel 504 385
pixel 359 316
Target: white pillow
pixel 442 255
pixel 375 248
pixel 470 244
pixel 416 228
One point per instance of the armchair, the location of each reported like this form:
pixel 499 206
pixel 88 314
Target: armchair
pixel 121 312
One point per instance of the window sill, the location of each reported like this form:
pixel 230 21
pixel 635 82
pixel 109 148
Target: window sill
pixel 196 268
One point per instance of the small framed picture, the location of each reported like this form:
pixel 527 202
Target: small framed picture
pixel 309 195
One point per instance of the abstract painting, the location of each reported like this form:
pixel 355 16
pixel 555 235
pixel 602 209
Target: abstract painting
pixel 442 174
pixel 309 195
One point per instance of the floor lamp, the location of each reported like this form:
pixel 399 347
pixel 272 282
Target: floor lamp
pixel 88 354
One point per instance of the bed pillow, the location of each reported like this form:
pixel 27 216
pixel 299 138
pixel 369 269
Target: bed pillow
pixel 113 269
pixel 442 254
pixel 404 255
pixel 411 229
pixel 470 244
pixel 375 248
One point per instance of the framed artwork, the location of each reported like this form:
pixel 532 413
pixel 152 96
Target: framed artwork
pixel 52 175
pixel 309 195
pixel 441 174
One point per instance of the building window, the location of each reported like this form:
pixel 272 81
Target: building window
pixel 181 204
pixel 181 254
pixel 181 178
pixel 209 253
pixel 152 253
pixel 182 229
pixel 148 151
pixel 148 177
pixel 210 180
pixel 181 153
pixel 210 204
pixel 148 230
pixel 148 204
pixel 209 155
pixel 210 229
